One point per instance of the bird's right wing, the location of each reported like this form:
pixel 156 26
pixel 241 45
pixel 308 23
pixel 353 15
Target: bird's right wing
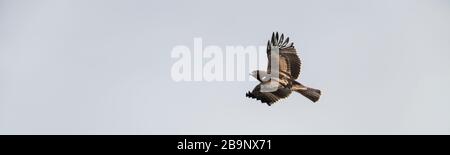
pixel 268 97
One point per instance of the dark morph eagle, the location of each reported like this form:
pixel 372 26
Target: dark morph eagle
pixel 283 81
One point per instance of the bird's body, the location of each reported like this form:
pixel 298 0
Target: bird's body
pixel 276 84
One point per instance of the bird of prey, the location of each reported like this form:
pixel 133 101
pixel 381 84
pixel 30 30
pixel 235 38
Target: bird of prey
pixel 282 53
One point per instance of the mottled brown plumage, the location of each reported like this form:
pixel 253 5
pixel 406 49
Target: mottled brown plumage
pixel 284 78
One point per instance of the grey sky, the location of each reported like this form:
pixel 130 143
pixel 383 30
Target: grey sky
pixel 103 67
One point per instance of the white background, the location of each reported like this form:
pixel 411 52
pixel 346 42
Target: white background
pixel 103 67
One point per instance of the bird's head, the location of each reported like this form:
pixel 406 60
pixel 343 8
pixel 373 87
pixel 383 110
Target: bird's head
pixel 254 74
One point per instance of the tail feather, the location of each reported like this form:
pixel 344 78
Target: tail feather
pixel 310 93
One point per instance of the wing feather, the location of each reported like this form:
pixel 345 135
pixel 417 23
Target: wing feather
pixel 289 62
pixel 268 97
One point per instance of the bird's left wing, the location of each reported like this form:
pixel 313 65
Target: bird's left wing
pixel 288 60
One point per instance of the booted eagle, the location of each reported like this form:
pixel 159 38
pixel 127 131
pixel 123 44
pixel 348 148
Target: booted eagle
pixel 283 81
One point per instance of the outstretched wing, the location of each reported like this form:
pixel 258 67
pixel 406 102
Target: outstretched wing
pixel 268 97
pixel 288 61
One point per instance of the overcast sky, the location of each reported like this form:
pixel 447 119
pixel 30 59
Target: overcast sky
pixel 104 67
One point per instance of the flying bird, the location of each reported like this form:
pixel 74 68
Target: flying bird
pixel 282 81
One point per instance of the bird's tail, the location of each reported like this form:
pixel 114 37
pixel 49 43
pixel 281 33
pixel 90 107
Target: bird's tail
pixel 310 93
